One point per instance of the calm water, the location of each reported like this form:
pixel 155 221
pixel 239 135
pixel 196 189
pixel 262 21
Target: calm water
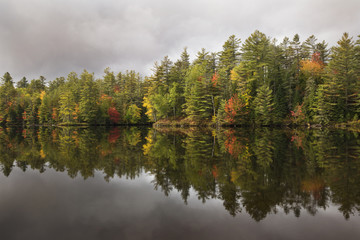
pixel 141 183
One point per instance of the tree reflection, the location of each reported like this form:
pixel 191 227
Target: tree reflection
pixel 259 171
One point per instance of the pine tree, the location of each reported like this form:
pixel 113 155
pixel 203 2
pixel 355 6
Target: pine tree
pixel 256 57
pixel 108 83
pixel 198 103
pixel 322 107
pixel 177 83
pixel 276 76
pixel 88 108
pixel 67 107
pixel 228 59
pixel 342 70
pixel 294 84
pixel 263 106
pixel 184 61
pixel 23 83
pixel 322 48
pixel 7 96
pixel 44 109
pixel 309 47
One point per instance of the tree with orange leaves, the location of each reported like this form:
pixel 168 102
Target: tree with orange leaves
pixel 313 70
pixel 114 115
pixel 237 109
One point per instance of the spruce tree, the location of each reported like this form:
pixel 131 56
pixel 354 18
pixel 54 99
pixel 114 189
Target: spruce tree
pixel 88 108
pixel 263 106
pixel 256 57
pixel 341 73
pixel 228 59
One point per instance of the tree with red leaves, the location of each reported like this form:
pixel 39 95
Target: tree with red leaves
pixel 298 116
pixel 236 109
pixel 114 134
pixel 114 115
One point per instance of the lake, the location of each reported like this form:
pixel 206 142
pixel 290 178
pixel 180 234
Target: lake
pixel 145 183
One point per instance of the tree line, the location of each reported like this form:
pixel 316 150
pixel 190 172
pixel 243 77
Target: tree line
pixel 74 100
pixel 255 82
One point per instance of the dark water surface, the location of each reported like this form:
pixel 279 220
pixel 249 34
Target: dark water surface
pixel 141 183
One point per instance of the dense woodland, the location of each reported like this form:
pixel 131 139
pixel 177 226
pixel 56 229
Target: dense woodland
pixel 255 82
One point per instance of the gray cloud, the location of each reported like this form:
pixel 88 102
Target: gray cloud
pixel 52 38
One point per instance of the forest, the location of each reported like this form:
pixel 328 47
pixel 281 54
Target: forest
pixel 253 82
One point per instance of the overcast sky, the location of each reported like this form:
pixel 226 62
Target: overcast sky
pixel 53 38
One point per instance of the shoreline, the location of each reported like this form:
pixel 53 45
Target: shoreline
pixel 183 123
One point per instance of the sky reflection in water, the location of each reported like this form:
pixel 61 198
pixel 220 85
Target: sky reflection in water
pixel 52 205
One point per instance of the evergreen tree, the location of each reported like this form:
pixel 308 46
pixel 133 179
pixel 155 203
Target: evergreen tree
pixel 55 84
pixel 263 106
pixel 67 107
pixel 264 84
pixel 108 83
pixel 37 85
pixel 228 59
pixel 88 108
pixel 23 83
pixel 7 97
pixel 177 86
pixel 44 109
pixel 276 76
pixel 198 104
pixel 342 76
pixel 256 53
pixel 312 71
pixel 322 48
pixel 309 47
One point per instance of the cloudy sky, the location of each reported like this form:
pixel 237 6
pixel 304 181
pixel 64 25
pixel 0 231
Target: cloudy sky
pixel 53 38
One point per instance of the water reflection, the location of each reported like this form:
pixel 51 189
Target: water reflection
pixel 255 171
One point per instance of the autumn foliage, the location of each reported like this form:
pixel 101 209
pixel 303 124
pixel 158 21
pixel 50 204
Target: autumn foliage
pixel 233 145
pixel 255 83
pixel 114 134
pixel 315 186
pixel 297 116
pixel 236 109
pixel 114 115
pixel 313 66
pixel 297 140
pixel 215 171
pixel 214 79
pixel 54 114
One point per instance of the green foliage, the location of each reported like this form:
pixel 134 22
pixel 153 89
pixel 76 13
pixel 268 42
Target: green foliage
pixel 23 83
pixel 161 105
pixel 67 108
pixel 88 108
pixel 263 106
pixel 7 97
pixel 198 102
pixel 228 59
pixel 44 114
pixel 270 81
pixel 133 114
pixel 342 75
pixel 256 54
pixel 257 172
